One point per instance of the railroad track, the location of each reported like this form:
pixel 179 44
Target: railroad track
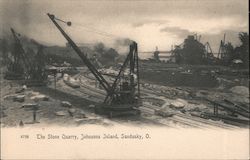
pixel 97 96
pixel 193 121
pixel 102 92
pixel 194 124
pixel 176 119
pixel 209 123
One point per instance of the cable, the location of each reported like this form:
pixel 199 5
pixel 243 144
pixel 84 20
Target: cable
pixel 90 29
pixel 96 30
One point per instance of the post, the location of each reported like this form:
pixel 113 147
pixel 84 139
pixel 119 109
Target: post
pixel 215 110
pixel 55 82
pixel 35 108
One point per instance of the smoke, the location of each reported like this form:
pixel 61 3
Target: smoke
pixel 122 45
pixel 123 42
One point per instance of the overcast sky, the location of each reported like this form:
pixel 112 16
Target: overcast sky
pixel 149 23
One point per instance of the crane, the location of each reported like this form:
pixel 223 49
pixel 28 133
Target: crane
pixel 17 69
pixel 209 52
pixel 222 50
pixel 123 96
pixel 33 71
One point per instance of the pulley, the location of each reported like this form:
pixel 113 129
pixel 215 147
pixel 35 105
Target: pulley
pixel 68 23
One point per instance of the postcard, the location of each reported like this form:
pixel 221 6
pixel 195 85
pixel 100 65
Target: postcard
pixel 124 79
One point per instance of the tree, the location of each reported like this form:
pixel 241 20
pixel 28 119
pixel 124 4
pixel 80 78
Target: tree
pixel 178 54
pixel 192 52
pixel 243 49
pixel 230 54
pixel 110 54
pixel 108 57
pixel 99 48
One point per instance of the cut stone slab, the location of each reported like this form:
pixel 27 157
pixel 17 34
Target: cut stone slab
pixel 61 113
pixel 163 113
pixel 80 116
pixel 242 90
pixel 34 93
pixel 178 103
pixel 72 110
pixel 19 98
pixel 91 106
pixel 9 97
pixel 29 105
pixel 82 112
pixel 40 97
pixel 66 104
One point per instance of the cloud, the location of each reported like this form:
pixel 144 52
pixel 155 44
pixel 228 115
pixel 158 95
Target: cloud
pixel 140 23
pixel 177 31
pixel 149 23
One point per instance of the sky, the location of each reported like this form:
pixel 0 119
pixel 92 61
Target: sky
pixel 149 23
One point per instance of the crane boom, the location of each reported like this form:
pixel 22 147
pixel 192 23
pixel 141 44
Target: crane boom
pixel 122 96
pixel 93 70
pixel 25 59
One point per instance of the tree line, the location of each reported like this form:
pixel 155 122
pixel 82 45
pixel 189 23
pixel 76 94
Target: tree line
pixel 194 52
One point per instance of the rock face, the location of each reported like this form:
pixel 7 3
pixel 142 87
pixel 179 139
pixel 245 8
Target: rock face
pixel 242 90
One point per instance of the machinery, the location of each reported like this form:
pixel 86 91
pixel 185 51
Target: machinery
pixel 23 66
pixel 15 67
pixel 208 51
pixel 222 48
pixel 123 95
